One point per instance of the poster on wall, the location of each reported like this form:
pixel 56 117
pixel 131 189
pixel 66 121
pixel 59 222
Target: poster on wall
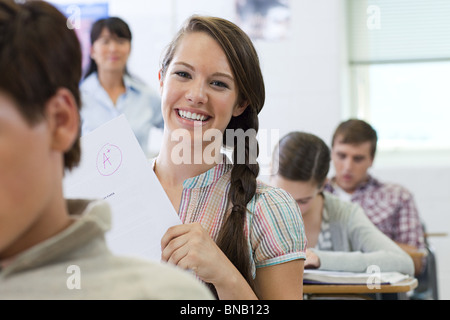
pixel 80 17
pixel 264 19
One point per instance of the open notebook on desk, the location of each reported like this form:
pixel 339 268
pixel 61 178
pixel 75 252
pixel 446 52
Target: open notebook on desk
pixel 312 276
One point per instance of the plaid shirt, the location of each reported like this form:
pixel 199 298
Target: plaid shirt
pixel 391 208
pixel 274 225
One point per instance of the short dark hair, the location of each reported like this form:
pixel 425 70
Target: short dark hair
pixel 38 55
pixel 356 131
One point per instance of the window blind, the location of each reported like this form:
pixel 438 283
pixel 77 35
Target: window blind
pixel 396 31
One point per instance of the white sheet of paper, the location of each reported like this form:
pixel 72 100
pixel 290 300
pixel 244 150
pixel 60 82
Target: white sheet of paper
pixel 343 277
pixel 114 167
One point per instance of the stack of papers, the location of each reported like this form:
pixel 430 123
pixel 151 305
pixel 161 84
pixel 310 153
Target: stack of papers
pixel 340 277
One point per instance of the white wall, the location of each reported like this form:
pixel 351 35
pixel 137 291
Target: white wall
pixel 306 89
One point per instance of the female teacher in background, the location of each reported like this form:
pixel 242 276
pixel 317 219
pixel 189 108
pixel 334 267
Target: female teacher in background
pixel 108 90
pixel 241 236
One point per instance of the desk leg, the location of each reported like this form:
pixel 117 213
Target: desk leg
pixel 402 296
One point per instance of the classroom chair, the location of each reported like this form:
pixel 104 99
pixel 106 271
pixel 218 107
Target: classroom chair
pixel 427 288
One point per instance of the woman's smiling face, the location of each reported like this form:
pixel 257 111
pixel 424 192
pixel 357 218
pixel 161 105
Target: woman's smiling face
pixel 110 52
pixel 198 88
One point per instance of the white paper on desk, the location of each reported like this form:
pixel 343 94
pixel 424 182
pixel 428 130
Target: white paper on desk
pixel 114 167
pixel 342 277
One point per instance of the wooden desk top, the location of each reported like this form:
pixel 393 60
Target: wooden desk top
pixel 402 286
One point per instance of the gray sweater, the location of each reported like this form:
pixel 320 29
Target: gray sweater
pixel 76 264
pixel 358 243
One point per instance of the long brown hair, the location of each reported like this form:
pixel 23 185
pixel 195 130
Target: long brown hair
pixel 244 62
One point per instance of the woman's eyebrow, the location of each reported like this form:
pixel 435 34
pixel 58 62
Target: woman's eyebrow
pixel 304 199
pixel 184 64
pixel 216 74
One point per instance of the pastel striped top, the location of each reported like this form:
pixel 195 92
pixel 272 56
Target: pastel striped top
pixel 274 225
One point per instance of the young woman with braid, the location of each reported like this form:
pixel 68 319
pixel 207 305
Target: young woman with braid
pixel 242 237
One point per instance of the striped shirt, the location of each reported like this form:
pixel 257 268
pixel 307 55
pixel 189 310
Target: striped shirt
pixel 274 225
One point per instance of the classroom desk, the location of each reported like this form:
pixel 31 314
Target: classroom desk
pixel 340 290
pixel 436 234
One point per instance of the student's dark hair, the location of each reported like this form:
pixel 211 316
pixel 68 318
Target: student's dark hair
pixel 356 131
pixel 303 157
pixel 38 55
pixel 116 26
pixel 244 63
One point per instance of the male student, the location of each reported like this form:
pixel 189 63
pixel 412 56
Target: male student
pixel 389 206
pixel 51 248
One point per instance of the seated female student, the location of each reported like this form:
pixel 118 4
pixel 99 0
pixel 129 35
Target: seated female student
pixel 340 236
pixel 241 236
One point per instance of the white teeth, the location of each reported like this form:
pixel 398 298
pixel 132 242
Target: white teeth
pixel 191 116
